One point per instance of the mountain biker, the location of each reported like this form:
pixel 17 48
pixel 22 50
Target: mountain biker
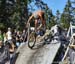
pixel 40 23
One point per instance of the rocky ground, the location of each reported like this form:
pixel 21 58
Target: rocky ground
pixel 40 54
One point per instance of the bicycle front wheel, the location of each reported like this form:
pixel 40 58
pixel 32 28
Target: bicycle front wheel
pixel 32 40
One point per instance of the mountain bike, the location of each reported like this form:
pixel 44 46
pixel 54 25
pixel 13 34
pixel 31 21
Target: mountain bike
pixel 32 38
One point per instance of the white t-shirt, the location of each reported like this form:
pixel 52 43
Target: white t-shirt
pixel 9 35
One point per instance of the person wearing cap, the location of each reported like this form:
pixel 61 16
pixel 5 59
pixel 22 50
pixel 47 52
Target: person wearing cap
pixel 39 22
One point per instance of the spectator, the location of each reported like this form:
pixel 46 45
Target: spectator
pixel 14 36
pixel 24 35
pixel 9 35
pixel 18 38
pixel 4 54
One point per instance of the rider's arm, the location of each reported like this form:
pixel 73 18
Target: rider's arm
pixel 30 18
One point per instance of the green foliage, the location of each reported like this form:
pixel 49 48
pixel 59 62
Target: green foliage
pixel 52 21
pixel 13 14
pixel 57 17
pixel 66 16
pixel 64 21
pixel 16 13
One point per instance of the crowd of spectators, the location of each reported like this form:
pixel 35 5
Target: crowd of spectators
pixel 9 42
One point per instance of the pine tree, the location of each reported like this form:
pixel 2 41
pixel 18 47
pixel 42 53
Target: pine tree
pixel 66 16
pixel 57 17
pixel 73 10
pixel 13 13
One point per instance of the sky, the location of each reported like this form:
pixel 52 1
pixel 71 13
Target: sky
pixel 56 5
